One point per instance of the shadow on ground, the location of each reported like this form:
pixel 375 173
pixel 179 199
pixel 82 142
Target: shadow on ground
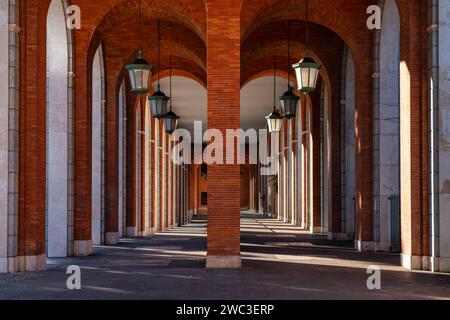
pixel 279 262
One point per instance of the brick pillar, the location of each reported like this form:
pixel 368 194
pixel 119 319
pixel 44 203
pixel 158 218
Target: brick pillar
pixel 224 88
pixel 285 167
pixel 142 229
pixel 83 144
pixel 304 182
pixel 413 137
pixel 167 191
pixel 131 170
pixel 160 175
pixel 152 177
pixel 295 175
pixel 112 151
pixel 335 207
pixel 364 155
pixel 32 126
pixel 316 223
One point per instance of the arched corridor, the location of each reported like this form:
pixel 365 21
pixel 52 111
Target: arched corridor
pixel 139 134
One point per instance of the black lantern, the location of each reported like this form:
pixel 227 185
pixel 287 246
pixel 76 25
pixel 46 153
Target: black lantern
pixel 158 104
pixel 275 119
pixel 307 70
pixel 171 122
pixel 170 119
pixel 139 71
pixel 289 100
pixel 158 101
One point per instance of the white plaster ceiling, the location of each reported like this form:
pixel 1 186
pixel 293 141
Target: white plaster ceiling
pixel 190 101
pixel 257 101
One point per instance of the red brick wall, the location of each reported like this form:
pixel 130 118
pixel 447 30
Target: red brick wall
pixel 245 187
pixel 143 162
pixel 414 168
pixel 131 164
pixel 317 153
pixel 113 70
pixel 32 126
pixel 224 113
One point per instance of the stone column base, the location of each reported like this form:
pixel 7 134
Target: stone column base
pixel 82 248
pixel 23 264
pixel 415 262
pixel 425 263
pixel 15 264
pixel 440 264
pixel 364 246
pixel 131 231
pixel 319 230
pixel 147 232
pixel 111 238
pixel 4 265
pixel 9 264
pixel 223 262
pixel 335 236
pixel 383 246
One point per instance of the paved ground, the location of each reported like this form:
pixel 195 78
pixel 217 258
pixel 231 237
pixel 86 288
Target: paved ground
pixel 279 262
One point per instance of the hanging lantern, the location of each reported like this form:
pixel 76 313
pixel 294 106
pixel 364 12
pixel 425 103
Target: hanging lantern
pixel 158 104
pixel 274 121
pixel 307 72
pixel 139 73
pixel 289 102
pixel 170 122
pixel 170 119
pixel 158 101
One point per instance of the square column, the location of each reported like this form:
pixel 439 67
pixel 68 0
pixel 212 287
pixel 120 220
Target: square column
pixel 32 138
pixel 223 113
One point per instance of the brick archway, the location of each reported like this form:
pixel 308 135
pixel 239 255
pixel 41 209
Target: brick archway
pixel 223 77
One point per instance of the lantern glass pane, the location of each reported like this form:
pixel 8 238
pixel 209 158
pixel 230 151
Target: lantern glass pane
pixel 269 125
pixel 298 75
pixel 313 77
pixel 305 77
pixel 291 107
pixel 159 107
pixel 138 76
pixel 145 79
pixel 170 122
pixel 132 79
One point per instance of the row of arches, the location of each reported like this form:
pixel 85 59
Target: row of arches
pixel 81 99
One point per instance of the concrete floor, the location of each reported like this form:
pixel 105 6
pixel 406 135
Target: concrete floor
pixel 279 262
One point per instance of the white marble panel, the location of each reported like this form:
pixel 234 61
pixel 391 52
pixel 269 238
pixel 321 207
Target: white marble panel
pixel 57 139
pixel 389 125
pixel 444 130
pixel 96 150
pixel 4 105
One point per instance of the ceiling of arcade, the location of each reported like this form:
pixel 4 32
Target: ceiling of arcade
pixel 263 30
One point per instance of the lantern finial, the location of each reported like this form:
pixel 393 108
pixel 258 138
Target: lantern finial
pixel 307 70
pixel 139 71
